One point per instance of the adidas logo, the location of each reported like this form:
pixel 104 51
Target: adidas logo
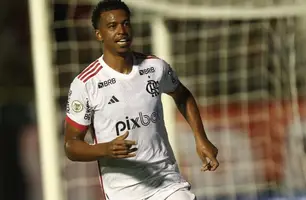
pixel 113 100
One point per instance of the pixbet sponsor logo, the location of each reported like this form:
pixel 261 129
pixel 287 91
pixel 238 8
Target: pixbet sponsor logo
pixel 103 84
pixel 137 122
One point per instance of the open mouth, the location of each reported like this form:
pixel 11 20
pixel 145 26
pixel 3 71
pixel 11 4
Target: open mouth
pixel 123 42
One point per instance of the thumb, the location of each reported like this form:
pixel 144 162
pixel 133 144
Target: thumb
pixel 123 137
pixel 202 156
pixel 214 162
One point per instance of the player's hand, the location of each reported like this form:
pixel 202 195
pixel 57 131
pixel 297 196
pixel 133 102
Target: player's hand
pixel 208 154
pixel 121 148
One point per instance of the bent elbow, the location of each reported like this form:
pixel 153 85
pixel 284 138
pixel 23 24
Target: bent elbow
pixel 68 151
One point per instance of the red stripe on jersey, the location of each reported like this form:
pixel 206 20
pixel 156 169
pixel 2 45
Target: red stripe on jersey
pixel 91 72
pixel 75 124
pixel 87 68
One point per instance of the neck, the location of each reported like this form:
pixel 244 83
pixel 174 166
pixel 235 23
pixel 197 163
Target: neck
pixel 120 63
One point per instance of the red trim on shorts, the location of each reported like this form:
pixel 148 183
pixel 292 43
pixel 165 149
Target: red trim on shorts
pixel 75 124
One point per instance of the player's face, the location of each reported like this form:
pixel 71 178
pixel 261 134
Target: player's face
pixel 115 31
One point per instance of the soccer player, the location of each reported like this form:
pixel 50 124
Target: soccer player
pixel 119 95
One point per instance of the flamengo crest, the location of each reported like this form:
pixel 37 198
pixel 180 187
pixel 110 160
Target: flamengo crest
pixel 153 88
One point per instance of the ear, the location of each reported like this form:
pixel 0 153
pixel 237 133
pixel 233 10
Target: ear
pixel 99 35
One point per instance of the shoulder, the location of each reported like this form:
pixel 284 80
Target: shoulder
pixel 90 71
pixel 146 60
pixel 85 79
pixel 142 56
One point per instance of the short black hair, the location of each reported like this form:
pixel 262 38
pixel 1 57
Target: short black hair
pixel 107 5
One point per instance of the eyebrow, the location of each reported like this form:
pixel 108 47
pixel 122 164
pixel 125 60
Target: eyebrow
pixel 113 22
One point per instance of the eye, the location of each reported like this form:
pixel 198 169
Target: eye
pixel 127 23
pixel 111 26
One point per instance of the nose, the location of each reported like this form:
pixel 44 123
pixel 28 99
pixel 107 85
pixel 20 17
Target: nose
pixel 122 29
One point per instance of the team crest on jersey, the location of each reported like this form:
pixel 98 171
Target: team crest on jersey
pixel 153 88
pixel 77 106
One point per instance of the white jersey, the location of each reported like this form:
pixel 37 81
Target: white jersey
pixel 115 103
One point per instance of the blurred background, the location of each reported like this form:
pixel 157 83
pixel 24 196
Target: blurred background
pixel 244 60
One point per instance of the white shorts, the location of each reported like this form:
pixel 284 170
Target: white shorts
pixel 168 194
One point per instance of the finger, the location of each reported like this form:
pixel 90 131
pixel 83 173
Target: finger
pixel 130 142
pixel 123 146
pixel 212 156
pixel 214 165
pixel 121 152
pixel 123 137
pixel 119 148
pixel 126 156
pixel 128 151
pixel 202 156
pixel 205 165
pixel 133 150
pixel 125 142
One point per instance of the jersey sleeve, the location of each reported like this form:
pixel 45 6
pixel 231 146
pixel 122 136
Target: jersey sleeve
pixel 169 80
pixel 78 109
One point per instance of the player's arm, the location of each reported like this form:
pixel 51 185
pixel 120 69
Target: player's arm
pixel 187 105
pixel 78 150
pixel 78 118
